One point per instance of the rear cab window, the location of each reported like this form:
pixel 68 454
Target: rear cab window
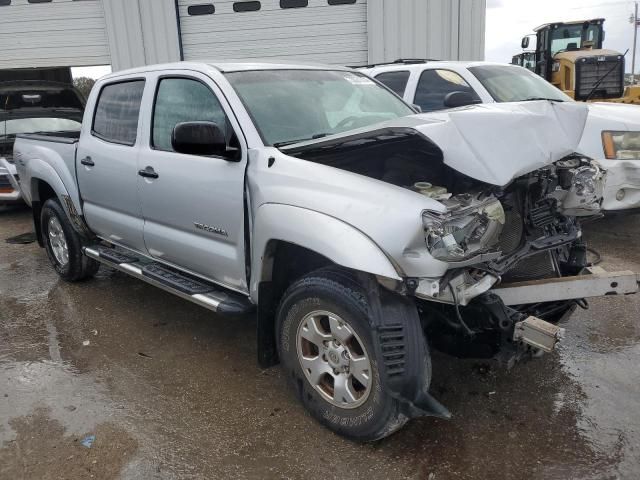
pixel 117 111
pixel 435 84
pixel 396 81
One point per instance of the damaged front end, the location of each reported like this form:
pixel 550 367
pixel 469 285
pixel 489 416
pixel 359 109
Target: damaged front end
pixel 528 230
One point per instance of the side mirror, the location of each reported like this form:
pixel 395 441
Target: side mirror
pixel 417 108
pixel 525 42
pixel 198 138
pixel 459 99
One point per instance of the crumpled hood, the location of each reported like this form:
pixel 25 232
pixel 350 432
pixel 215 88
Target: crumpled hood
pixel 494 143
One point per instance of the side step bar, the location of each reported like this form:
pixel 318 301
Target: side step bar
pixel 184 286
pixel 596 283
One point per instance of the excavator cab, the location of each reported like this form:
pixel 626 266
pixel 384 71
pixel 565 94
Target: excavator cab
pixel 571 57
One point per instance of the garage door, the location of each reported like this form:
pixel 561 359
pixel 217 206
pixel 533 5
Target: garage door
pixel 325 31
pixel 35 33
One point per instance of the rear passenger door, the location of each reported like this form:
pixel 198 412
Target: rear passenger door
pixel 435 84
pixel 194 209
pixel 107 164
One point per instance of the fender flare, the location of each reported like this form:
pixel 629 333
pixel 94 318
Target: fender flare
pixel 328 236
pixel 41 171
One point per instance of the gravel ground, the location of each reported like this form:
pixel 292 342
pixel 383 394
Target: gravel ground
pixel 171 391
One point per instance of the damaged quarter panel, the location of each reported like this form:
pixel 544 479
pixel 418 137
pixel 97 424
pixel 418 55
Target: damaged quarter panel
pixel 341 207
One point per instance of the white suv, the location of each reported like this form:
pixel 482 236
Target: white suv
pixel 611 134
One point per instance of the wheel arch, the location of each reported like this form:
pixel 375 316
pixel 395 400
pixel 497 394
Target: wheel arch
pixel 42 190
pixel 293 241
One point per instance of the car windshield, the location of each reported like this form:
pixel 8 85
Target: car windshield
pixel 288 106
pixel 516 84
pixel 38 124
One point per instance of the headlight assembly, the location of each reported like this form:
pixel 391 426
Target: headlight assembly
pixel 621 145
pixel 465 231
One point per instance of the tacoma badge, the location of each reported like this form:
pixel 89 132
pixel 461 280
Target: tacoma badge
pixel 208 228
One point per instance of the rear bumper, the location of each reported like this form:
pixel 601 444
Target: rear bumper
pixel 9 187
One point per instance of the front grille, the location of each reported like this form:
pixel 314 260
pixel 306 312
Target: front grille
pixel 590 70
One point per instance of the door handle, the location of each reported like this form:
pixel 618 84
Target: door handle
pixel 87 161
pixel 148 172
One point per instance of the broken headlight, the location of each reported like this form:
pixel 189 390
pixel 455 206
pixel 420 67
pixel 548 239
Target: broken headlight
pixel 621 145
pixel 469 227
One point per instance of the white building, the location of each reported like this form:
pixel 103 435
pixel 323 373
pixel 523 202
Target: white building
pixel 127 33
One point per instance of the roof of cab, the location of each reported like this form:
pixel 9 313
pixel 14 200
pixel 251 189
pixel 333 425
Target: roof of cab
pixel 225 66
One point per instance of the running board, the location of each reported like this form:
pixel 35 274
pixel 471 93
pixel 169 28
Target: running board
pixel 597 282
pixel 198 291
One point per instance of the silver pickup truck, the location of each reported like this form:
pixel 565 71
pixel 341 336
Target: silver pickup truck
pixel 361 233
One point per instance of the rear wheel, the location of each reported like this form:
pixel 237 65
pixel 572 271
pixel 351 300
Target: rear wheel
pixel 325 346
pixel 64 245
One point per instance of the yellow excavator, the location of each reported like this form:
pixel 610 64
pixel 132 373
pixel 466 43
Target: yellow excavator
pixel 570 56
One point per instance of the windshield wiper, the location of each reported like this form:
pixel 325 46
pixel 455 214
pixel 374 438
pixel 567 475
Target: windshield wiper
pixel 532 99
pixel 292 142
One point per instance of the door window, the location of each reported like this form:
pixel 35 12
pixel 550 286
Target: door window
pixel 117 111
pixel 396 81
pixel 184 100
pixel 435 85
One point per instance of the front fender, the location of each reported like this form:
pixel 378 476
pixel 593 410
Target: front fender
pixel 340 242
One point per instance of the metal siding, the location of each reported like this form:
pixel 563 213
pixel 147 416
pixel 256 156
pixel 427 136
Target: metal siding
pixel 60 33
pixel 472 29
pixel 159 31
pixel 141 32
pixel 440 29
pixel 333 34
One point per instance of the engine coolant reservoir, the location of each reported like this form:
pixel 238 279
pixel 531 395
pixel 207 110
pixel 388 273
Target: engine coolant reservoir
pixel 431 191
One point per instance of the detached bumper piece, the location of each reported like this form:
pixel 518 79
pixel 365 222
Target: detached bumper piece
pixel 595 283
pixel 538 334
pixel 185 286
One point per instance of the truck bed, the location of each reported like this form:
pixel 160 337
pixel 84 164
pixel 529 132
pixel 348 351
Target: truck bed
pixel 57 137
pixel 40 152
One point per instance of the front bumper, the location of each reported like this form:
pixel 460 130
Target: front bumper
pixel 9 187
pixel 596 282
pixel 622 185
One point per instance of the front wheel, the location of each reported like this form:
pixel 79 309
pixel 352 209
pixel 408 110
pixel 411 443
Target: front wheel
pixel 64 245
pixel 325 346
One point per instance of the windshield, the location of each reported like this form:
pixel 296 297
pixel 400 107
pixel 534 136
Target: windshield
pixel 40 125
pixel 295 105
pixel 570 37
pixel 515 84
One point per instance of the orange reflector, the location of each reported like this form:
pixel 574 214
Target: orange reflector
pixel 6 189
pixel 609 146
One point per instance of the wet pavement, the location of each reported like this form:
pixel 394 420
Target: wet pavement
pixel 171 391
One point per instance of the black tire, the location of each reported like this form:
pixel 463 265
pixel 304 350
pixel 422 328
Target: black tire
pixel 79 266
pixel 336 291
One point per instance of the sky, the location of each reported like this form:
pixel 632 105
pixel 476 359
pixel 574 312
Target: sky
pixel 509 20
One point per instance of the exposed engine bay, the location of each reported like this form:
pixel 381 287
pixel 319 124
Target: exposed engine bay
pixel 528 229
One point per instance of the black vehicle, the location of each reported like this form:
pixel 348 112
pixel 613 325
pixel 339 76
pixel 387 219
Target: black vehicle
pixel 33 106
